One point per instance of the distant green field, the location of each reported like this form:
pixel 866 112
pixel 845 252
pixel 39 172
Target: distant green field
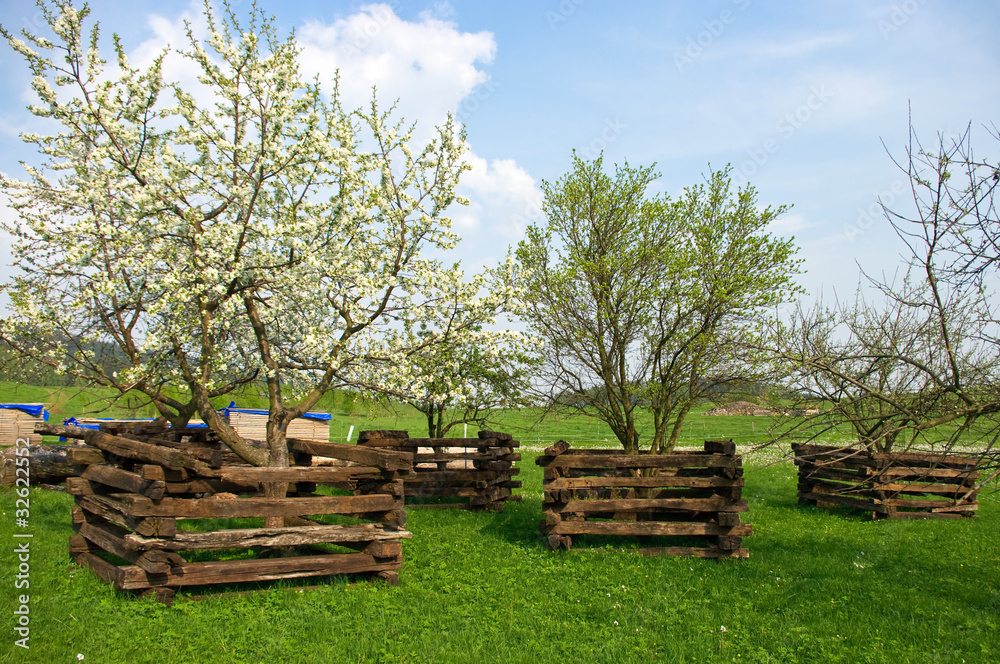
pixel 529 425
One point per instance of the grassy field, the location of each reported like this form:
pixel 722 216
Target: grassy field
pixel 528 424
pixel 818 587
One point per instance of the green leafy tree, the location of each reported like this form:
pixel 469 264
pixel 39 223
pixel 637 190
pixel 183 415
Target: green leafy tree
pixel 644 302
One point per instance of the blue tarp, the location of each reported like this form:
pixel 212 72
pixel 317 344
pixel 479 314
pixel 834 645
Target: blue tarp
pixel 308 416
pixel 35 410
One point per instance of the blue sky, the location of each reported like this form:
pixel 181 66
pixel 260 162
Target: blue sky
pixel 798 96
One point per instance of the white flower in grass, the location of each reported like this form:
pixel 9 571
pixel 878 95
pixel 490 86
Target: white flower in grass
pixel 79 656
pixel 722 628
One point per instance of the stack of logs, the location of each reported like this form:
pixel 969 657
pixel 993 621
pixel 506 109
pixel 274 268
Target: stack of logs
pixel 692 494
pixel 18 422
pixel 140 495
pixel 469 473
pixel 891 486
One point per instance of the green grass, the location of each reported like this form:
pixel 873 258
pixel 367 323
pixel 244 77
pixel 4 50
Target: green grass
pixel 528 424
pixel 818 587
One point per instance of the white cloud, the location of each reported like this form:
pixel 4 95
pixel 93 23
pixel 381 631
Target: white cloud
pixel 788 224
pixel 795 48
pixel 428 64
pixel 504 199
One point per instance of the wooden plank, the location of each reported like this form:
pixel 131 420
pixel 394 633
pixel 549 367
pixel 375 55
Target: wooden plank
pixel 714 504
pixel 102 569
pixel 928 458
pixel 859 503
pixel 906 471
pixel 431 457
pixel 497 435
pixel 116 512
pixel 826 472
pixel 555 449
pixel 942 503
pixel 459 475
pixel 728 519
pixel 124 480
pixel 84 455
pixel 111 539
pixel 242 571
pixel 961 507
pixel 208 486
pixel 381 433
pixel 917 487
pixel 208 508
pixel 848 464
pixel 720 447
pixel 649 528
pixel 321 474
pixel 127 448
pixel 828 486
pixel 367 456
pixel 248 537
pixel 77 486
pixel 660 481
pixel 619 461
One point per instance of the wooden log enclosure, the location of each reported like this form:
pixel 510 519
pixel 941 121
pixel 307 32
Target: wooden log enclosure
pixel 148 507
pixel 908 485
pixel 690 494
pixel 467 473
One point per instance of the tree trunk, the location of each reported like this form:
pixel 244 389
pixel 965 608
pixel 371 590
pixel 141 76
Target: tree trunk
pixel 277 444
pixel 430 420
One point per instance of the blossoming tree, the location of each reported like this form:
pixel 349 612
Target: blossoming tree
pixel 248 228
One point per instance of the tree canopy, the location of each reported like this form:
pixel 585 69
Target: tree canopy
pixel 641 299
pixel 247 229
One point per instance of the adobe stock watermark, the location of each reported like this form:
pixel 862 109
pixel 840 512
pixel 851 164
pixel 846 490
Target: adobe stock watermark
pixel 379 16
pixel 562 12
pixel 884 200
pixel 899 16
pixel 471 103
pixel 712 30
pixel 22 545
pixel 531 213
pixel 867 216
pixel 784 129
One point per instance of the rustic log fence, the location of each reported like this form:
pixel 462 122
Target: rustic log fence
pixel 906 485
pixel 469 473
pixel 141 498
pixel 694 494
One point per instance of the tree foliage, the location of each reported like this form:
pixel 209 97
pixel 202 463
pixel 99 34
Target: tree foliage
pixel 248 228
pixel 471 382
pixel 641 300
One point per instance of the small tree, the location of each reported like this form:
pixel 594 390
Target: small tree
pixel 918 362
pixel 641 301
pixel 468 383
pixel 247 229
